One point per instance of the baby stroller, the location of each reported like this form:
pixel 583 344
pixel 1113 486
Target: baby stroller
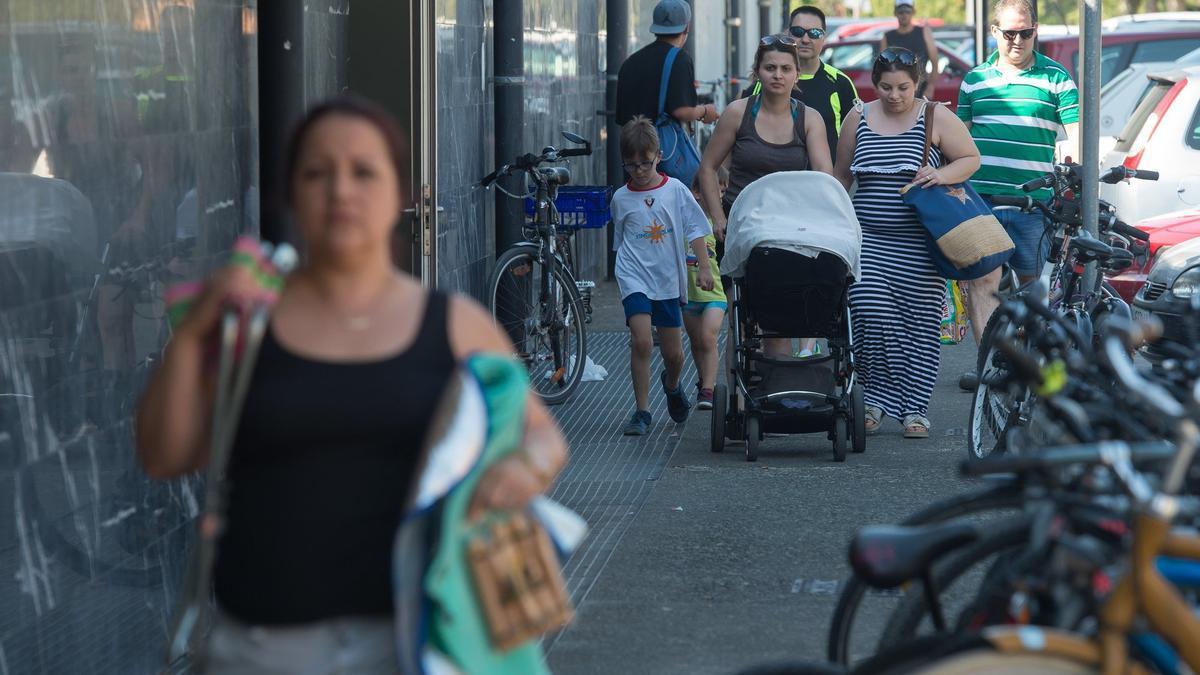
pixel 792 249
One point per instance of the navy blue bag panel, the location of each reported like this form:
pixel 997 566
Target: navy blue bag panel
pixel 680 159
pixel 965 239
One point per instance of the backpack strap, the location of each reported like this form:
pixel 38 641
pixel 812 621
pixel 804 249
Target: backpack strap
pixel 668 63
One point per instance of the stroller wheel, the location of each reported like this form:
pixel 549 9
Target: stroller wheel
pixel 752 438
pixel 717 428
pixel 841 436
pixel 858 420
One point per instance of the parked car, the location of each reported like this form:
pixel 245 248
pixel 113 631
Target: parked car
pixel 1153 21
pixel 856 57
pixel 1163 135
pixel 1121 48
pixel 1172 288
pixel 1120 96
pixel 1166 231
pixel 872 29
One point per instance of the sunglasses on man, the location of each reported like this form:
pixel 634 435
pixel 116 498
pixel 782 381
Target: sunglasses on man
pixel 894 54
pixel 1025 33
pixel 812 33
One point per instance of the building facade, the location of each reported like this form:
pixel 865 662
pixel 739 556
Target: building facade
pixel 129 160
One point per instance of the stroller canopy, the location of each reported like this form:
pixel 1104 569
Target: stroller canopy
pixel 803 211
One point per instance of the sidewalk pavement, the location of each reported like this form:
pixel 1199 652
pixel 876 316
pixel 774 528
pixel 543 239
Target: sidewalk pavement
pixel 713 564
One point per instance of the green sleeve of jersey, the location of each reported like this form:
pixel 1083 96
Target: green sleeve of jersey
pixel 1068 102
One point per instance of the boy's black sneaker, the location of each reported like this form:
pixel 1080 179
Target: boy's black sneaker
pixel 678 405
pixel 639 424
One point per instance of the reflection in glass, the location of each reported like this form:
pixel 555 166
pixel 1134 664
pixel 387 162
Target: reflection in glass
pixel 108 114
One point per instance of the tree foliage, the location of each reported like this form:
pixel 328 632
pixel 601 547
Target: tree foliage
pixel 1051 11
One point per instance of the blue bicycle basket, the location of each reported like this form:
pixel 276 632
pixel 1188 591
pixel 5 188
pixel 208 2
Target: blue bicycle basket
pixel 579 206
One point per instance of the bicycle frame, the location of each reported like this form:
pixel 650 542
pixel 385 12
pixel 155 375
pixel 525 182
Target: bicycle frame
pixel 1142 593
pixel 550 298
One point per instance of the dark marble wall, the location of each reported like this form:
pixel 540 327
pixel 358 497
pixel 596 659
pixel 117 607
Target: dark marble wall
pixel 564 90
pixel 128 160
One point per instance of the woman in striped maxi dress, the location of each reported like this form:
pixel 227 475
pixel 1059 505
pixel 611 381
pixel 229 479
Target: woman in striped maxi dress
pixel 896 305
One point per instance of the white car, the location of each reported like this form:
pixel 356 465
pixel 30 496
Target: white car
pixel 1163 135
pixel 1120 95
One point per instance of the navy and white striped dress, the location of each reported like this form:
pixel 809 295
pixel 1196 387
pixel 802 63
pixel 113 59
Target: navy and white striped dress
pixel 896 305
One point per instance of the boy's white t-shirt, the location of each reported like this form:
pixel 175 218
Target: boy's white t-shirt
pixel 651 230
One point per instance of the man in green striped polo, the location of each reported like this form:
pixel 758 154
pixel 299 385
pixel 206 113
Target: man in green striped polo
pixel 820 86
pixel 1014 104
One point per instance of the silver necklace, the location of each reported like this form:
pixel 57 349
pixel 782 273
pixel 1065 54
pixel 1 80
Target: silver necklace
pixel 365 321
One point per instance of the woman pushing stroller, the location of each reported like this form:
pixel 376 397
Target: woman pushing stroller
pixel 763 134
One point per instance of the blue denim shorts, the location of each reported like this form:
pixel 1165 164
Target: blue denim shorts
pixel 1028 232
pixel 663 313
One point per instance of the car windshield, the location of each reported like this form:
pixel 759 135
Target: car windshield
pixel 852 57
pixel 1142 113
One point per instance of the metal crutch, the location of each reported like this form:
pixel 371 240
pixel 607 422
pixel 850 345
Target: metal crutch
pixel 233 380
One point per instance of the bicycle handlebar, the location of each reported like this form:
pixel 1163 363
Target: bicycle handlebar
pixel 529 162
pixel 1127 230
pixel 1023 203
pixel 1104 452
pixel 1115 174
pixel 1038 183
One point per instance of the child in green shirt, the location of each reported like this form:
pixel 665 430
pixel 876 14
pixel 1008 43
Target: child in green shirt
pixel 704 313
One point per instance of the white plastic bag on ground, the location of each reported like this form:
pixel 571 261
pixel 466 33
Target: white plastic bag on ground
pixel 592 371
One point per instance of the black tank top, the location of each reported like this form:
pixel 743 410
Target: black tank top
pixel 913 41
pixel 319 476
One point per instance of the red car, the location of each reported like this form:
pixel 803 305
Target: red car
pixel 1119 49
pixel 856 57
pixel 1165 231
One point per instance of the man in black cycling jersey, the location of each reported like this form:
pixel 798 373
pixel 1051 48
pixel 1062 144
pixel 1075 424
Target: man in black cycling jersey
pixel 821 86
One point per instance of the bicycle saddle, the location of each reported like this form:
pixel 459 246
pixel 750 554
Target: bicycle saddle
pixel 1090 249
pixel 885 556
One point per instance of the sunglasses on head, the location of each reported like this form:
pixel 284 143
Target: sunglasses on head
pixel 812 33
pixel 1025 33
pixel 894 54
pixel 781 39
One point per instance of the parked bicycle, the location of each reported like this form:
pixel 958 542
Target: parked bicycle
pixel 1065 540
pixel 533 293
pixel 996 410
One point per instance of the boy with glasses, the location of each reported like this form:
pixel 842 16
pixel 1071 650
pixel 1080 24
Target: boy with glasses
pixel 821 86
pixel 1014 104
pixel 653 218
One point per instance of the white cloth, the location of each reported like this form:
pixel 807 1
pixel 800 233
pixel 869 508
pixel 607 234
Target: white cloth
pixel 341 645
pixel 802 211
pixel 651 230
pixel 52 213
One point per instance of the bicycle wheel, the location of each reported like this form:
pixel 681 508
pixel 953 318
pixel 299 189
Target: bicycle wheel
pixel 994 407
pixel 1002 497
pixel 547 332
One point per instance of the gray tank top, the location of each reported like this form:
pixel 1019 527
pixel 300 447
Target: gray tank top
pixel 752 157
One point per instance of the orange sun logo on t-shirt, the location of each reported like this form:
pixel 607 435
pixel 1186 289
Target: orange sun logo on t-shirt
pixel 655 232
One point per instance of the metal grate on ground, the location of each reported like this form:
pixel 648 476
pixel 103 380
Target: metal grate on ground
pixel 610 475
